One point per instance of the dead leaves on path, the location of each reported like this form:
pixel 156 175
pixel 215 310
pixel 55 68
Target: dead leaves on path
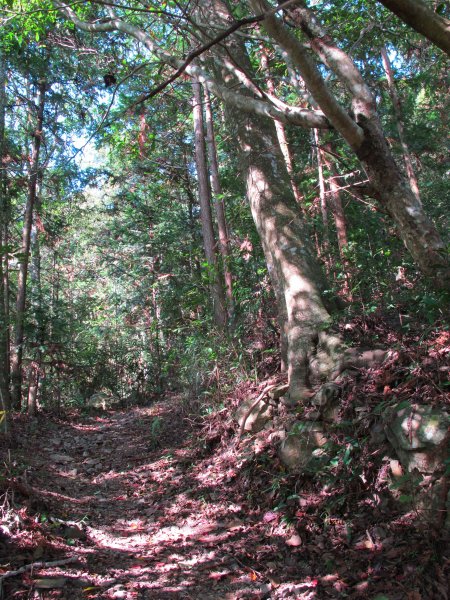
pixel 191 517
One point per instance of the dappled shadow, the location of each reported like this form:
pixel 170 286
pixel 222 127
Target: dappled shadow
pixel 150 512
pixel 153 521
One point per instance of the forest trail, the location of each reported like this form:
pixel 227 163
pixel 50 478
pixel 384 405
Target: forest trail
pixel 146 504
pixel 146 513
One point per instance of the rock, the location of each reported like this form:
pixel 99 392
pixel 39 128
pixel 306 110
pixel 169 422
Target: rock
pixel 60 458
pixel 328 393
pixel 432 501
pixel 418 435
pixel 279 391
pixel 377 435
pixel 302 449
pixel 359 358
pixel 102 400
pixel 321 365
pixel 48 583
pixel 396 468
pixel 294 541
pixel 258 416
pixel 327 401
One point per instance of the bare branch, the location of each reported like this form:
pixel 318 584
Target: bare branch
pixel 289 114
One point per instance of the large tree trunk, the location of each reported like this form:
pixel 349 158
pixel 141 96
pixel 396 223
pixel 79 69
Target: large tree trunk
pixel 297 279
pixel 364 134
pixel 16 363
pixel 394 194
pixel 204 194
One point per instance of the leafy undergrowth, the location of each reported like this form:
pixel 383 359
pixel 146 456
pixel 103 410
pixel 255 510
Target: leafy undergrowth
pixel 154 502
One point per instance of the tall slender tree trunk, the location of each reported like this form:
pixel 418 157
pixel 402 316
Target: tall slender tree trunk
pixel 143 128
pixel 339 218
pixel 322 195
pixel 281 133
pixel 4 319
pixel 400 125
pixel 204 193
pixel 16 362
pixel 224 242
pixel 35 277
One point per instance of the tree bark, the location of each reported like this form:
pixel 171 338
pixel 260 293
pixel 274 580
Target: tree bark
pixel 204 194
pixel 322 194
pixel 361 130
pixel 413 184
pixel 35 277
pixel 4 321
pixel 297 278
pixel 418 15
pixel 299 283
pixel 224 243
pixel 16 362
pixel 364 135
pixel 281 133
pixel 339 219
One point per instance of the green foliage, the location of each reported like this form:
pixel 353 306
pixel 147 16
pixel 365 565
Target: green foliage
pixel 123 302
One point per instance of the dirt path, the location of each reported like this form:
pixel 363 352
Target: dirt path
pixel 144 507
pixel 132 496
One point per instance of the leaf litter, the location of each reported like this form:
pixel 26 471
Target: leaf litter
pixel 93 507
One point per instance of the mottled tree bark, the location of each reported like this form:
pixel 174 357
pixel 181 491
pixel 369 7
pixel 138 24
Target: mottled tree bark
pixel 322 193
pixel 35 368
pixel 296 275
pixel 363 132
pixel 360 127
pixel 204 194
pixel 298 280
pixel 224 244
pixel 4 325
pixel 281 132
pixel 418 15
pixel 339 218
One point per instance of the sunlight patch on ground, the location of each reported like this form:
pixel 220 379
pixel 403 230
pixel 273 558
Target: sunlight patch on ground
pixel 118 542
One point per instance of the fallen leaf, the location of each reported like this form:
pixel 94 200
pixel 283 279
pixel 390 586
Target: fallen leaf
pixel 269 517
pixel 294 540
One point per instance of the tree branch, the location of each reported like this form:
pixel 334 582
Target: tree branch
pixel 331 108
pixel 424 20
pixel 289 114
pixel 38 565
